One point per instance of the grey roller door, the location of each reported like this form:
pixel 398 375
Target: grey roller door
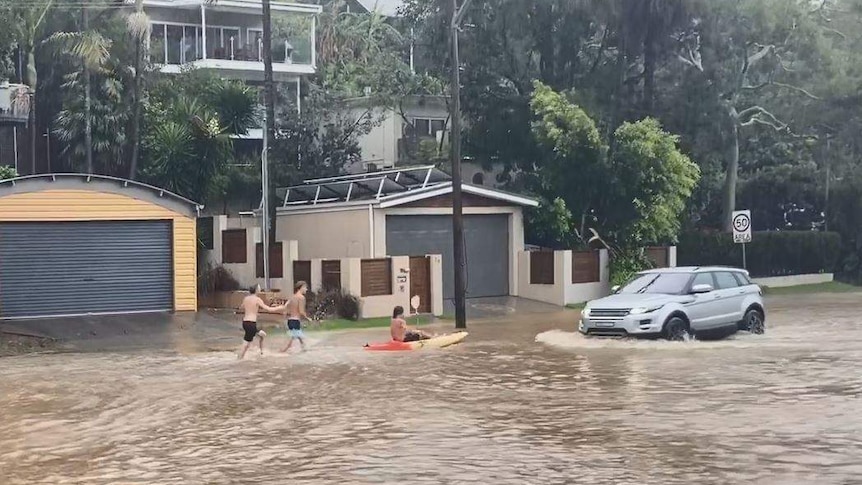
pixel 487 240
pixel 73 268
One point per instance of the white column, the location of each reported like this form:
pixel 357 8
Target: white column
pixel 314 41
pixel 298 98
pixel 203 30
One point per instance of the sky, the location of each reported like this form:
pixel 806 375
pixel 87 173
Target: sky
pixel 386 7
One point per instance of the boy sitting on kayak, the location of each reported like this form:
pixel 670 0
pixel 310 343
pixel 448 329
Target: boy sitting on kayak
pixel 401 332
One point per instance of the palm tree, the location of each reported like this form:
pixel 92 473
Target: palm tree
pixel 92 50
pixel 106 112
pixel 139 28
pixel 27 22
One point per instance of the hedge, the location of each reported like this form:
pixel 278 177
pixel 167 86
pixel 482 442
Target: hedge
pixel 773 253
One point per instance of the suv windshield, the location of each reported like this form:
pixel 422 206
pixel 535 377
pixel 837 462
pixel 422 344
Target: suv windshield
pixel 662 283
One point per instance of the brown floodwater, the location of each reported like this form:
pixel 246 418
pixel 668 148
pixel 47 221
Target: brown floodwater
pixel 520 401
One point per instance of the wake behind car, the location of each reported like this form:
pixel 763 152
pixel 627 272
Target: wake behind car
pixel 677 302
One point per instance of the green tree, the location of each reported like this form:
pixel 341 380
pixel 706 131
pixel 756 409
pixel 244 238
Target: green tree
pixel 632 196
pixel 91 50
pixel 189 120
pixel 743 49
pixel 26 23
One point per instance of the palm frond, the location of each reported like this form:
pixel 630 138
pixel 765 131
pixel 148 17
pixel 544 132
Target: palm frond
pixel 138 25
pixel 91 48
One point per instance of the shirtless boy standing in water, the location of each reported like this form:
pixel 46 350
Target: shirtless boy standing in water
pixel 250 306
pixel 295 309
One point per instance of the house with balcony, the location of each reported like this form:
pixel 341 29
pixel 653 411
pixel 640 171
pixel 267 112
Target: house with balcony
pixel 226 36
pixel 14 114
pixel 417 129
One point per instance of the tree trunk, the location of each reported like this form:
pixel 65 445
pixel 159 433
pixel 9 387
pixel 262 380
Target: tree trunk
pixel 650 56
pixel 135 135
pixel 31 81
pixel 730 179
pixel 88 101
pixel 269 96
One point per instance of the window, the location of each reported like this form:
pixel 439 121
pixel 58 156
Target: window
pixel 428 126
pixel 437 126
pixel 703 279
pixel 742 279
pixel 157 44
pixel 174 45
pixel 255 40
pixel 423 127
pixel 376 277
pixel 657 283
pixel 181 43
pixel 233 246
pixel 478 178
pixel 725 280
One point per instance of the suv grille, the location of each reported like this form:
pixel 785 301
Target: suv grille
pixel 609 313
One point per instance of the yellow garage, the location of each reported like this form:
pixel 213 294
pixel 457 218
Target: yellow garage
pixel 73 244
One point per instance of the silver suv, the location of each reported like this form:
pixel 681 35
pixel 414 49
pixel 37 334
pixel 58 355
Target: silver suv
pixel 677 302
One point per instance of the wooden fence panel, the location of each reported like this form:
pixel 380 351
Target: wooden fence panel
pixel 586 267
pixel 302 272
pixel 376 277
pixel 276 261
pixel 658 255
pixel 233 246
pixel 541 267
pixel 331 274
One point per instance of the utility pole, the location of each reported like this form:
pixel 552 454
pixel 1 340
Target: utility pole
pixel 828 180
pixel 268 132
pixel 264 207
pixel 457 202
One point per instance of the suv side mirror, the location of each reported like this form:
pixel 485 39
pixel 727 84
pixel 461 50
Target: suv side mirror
pixel 699 289
pixel 615 289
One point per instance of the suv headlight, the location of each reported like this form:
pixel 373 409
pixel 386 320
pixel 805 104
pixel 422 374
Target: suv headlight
pixel 644 309
pixel 585 312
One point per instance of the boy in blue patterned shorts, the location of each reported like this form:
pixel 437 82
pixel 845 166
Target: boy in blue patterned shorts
pixel 295 310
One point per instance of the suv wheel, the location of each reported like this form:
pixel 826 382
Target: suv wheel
pixel 676 330
pixel 753 322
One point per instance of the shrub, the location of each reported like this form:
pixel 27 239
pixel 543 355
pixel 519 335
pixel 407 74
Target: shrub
pixel 7 172
pixel 332 303
pixel 773 253
pixel 218 278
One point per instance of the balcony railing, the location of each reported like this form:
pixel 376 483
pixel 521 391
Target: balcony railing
pixel 182 44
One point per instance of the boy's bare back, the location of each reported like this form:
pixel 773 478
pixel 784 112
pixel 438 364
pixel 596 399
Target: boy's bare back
pixel 250 306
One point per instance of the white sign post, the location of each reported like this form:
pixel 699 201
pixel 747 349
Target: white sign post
pixel 742 231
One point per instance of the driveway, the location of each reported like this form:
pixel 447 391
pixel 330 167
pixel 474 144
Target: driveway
pixel 497 307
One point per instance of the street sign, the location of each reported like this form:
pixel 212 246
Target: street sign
pixel 742 227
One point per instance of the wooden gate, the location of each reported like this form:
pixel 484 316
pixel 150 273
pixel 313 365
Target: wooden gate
pixel 420 282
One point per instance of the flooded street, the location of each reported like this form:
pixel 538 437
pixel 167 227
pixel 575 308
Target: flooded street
pixel 520 401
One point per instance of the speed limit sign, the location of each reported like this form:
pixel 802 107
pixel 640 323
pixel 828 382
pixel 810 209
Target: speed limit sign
pixel 742 227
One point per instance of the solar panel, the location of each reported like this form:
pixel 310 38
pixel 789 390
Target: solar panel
pixel 365 186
